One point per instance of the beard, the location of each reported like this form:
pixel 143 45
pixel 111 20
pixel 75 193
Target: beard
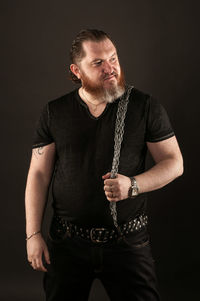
pixel 103 93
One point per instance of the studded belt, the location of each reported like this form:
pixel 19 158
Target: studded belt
pixel 64 228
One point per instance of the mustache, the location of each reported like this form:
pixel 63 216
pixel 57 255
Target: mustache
pixel 109 75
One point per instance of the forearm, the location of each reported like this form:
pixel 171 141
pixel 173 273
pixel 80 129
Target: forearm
pixel 159 175
pixel 35 199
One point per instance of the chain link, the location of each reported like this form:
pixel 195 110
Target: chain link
pixel 119 132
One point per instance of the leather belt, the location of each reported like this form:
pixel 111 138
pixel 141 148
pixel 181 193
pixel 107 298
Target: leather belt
pixel 98 235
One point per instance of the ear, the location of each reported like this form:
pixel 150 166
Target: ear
pixel 75 69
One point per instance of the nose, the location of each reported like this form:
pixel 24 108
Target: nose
pixel 107 68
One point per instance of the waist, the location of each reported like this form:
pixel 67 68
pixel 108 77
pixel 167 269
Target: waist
pixel 61 227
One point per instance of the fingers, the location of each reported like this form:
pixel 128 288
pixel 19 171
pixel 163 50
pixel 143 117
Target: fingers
pixel 116 189
pixel 37 265
pixel 109 188
pixel 35 250
pixel 112 193
pixel 110 182
pixel 106 176
pixel 46 256
pixel 113 198
pixel 112 187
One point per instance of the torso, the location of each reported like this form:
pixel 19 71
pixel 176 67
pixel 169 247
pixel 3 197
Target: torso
pixel 85 145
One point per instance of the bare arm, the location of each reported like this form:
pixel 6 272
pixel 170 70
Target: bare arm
pixel 168 166
pixel 38 180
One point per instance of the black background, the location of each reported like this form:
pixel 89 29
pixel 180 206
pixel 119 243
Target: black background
pixel 158 45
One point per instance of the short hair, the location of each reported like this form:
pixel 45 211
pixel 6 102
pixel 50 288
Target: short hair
pixel 77 52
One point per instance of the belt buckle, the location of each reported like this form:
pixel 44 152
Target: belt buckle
pixel 97 240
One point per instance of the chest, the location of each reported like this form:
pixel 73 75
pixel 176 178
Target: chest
pixel 96 111
pixel 83 133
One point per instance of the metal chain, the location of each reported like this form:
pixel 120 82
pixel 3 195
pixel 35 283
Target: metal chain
pixel 119 132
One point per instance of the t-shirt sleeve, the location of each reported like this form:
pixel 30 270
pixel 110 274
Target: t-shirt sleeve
pixel 158 124
pixel 42 135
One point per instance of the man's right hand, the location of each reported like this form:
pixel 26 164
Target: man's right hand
pixel 36 247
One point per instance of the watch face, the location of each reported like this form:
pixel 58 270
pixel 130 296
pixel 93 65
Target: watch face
pixel 134 191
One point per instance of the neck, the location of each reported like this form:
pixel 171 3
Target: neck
pixel 90 98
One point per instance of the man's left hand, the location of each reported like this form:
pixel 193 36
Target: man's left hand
pixel 116 189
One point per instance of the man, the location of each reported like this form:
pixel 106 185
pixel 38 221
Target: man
pixel 73 148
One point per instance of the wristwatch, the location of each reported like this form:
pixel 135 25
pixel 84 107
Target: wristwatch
pixel 133 190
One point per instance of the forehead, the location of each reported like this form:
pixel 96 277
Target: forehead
pixel 98 50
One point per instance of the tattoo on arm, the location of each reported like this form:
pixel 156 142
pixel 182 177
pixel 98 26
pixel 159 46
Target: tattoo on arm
pixel 38 151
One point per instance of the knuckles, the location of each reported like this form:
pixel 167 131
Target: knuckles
pixel 118 188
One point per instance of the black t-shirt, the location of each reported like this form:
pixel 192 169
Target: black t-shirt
pixel 84 152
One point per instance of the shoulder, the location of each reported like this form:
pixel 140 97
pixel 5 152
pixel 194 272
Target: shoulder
pixel 145 100
pixel 139 97
pixel 139 100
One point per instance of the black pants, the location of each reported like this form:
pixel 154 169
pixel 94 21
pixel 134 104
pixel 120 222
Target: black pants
pixel 125 268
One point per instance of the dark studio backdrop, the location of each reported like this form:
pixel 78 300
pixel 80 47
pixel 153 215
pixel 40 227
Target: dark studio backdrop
pixel 158 45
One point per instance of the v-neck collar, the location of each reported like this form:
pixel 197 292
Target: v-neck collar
pixel 87 109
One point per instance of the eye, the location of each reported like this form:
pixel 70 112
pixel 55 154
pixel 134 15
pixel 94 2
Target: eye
pixel 113 59
pixel 97 63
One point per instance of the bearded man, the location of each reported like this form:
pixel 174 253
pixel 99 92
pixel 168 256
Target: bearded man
pixel 91 145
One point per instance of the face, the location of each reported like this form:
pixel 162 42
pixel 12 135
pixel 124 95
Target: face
pixel 100 71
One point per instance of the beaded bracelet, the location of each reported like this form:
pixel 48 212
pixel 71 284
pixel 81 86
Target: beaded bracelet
pixel 34 233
